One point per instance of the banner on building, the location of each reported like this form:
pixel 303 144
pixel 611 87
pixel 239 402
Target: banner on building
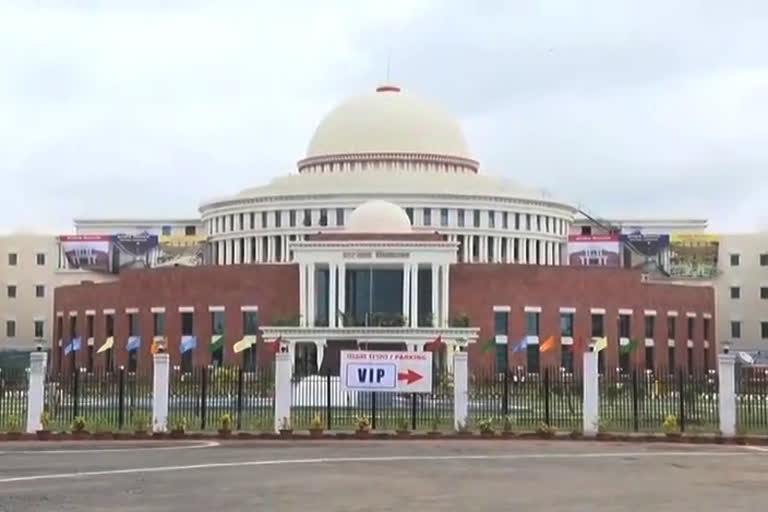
pixel 87 252
pixel 180 250
pixel 693 255
pixel 133 251
pixel 594 250
pixel 644 250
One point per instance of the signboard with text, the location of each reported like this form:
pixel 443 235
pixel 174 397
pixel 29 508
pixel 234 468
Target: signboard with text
pixel 397 372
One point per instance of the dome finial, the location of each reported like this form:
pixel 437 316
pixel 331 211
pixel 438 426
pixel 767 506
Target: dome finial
pixel 387 88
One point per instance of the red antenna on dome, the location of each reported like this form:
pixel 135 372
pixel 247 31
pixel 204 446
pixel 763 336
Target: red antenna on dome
pixel 388 88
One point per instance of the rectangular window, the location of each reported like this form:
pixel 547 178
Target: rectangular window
pixel 250 328
pixel 339 216
pixel 706 328
pixel 566 358
pixel 735 292
pixel 671 327
pixel 133 324
pixel 158 324
pixel 735 260
pixel 241 225
pixel 533 358
pixel 292 218
pixel 253 220
pixel 650 324
pixel 598 328
pixel 89 320
pixel 10 329
pixel 39 329
pixel 89 364
pixel 39 291
pixel 217 329
pixel 502 358
pixel 586 230
pixel 165 230
pixel 764 292
pixel 491 219
pixel 323 217
pixel 527 221
pixel 187 324
pixel 444 216
pixel 500 322
pixel 735 329
pixel 649 358
pixel 307 218
pixel 625 327
pixel 460 218
pixel 546 224
pixel 671 359
pixel 691 325
pixel 764 330
pixel 427 216
pixel 505 220
pixel 13 259
pixel 409 213
pixel 532 324
pixel 72 327
pixel 764 260
pixel 566 325
pixel 623 361
pixel 40 259
pixel 278 218
pixel 264 220
pixel 476 218
pixel 517 221
pixel 109 324
pixel 190 230
pixel 690 360
pixel 11 291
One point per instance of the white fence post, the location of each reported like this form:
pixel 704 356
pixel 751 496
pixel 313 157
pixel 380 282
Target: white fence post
pixel 591 394
pixel 36 390
pixel 160 392
pixel 460 389
pixel 283 374
pixel 726 396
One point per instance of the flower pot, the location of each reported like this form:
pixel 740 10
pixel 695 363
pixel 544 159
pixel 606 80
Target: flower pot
pixel 286 433
pixel 486 434
pixel 43 435
pixel 13 436
pixel 508 434
pixel 315 433
pixel 675 436
pixel 101 436
pixel 140 434
pixel 464 433
pixel 80 435
pixel 177 434
pixel 225 433
pixel 434 434
pixel 403 434
pixel 362 434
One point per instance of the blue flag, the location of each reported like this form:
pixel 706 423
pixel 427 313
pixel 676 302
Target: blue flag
pixel 522 346
pixel 134 342
pixel 68 349
pixel 77 343
pixel 188 343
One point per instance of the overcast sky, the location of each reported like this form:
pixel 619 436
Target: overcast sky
pixel 629 108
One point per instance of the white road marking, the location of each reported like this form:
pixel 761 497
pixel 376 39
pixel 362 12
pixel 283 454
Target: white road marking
pixel 127 448
pixel 756 448
pixel 331 460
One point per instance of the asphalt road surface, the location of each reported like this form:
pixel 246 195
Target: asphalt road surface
pixel 418 476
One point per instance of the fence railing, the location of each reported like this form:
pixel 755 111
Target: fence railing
pixel 321 395
pixel 752 400
pixel 203 395
pixel 13 398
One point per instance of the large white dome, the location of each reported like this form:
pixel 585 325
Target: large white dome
pixel 388 121
pixel 378 217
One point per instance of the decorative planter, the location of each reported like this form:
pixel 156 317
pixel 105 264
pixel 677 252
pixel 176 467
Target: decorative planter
pixel 43 435
pixel 508 434
pixel 603 436
pixel 434 434
pixel 13 436
pixel 487 434
pixel 545 435
pixel 225 433
pixel 315 433
pixel 673 436
pixel 101 436
pixel 464 433
pixel 140 434
pixel 403 434
pixel 177 434
pixel 79 435
pixel 286 433
pixel 362 434
pixel 576 435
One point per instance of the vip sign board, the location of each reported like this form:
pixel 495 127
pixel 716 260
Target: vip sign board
pixel 397 372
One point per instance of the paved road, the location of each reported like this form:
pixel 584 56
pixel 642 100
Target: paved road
pixel 419 476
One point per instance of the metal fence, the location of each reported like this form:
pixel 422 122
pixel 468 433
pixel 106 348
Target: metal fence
pixel 13 399
pixel 202 396
pixel 110 400
pixel 752 399
pixel 644 401
pixel 321 395
pixel 520 400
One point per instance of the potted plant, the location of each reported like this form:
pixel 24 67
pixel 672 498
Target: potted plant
pixel 101 428
pixel 403 429
pixel 44 433
pixel 506 428
pixel 78 428
pixel 434 428
pixel 602 429
pixel 670 427
pixel 225 425
pixel 286 431
pixel 464 430
pixel 178 427
pixel 545 431
pixel 140 424
pixel 486 428
pixel 362 427
pixel 13 428
pixel 316 427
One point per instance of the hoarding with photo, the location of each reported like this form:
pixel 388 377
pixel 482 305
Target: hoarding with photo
pixel 180 250
pixel 645 251
pixel 594 250
pixel 87 252
pixel 133 251
pixel 693 255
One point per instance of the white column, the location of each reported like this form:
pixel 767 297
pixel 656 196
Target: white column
pixel 414 316
pixel 522 247
pixel 311 295
pixel 36 390
pixel 557 254
pixel 247 249
pixel 484 249
pixel 236 252
pixel 283 374
pixel 160 392
pixel 342 293
pixel 727 394
pixel 445 296
pixel 333 308
pixel 497 249
pixel 510 250
pixel 460 389
pixel 533 254
pixel 302 294
pixel 270 248
pixel 230 251
pixel 591 396
pixel 220 252
pixel 284 252
pixel 465 250
pixel 435 294
pixel 407 292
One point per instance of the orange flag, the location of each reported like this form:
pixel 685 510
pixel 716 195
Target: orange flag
pixel 434 344
pixel 274 347
pixel 549 344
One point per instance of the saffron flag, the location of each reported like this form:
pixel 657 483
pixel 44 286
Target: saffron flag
pixel 188 343
pixel 134 342
pixel 434 345
pixel 522 346
pixel 247 342
pixel 274 347
pixel 217 343
pixel 107 345
pixel 549 344
pixel 487 345
pixel 600 343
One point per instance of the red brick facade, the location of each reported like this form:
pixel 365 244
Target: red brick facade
pixel 476 289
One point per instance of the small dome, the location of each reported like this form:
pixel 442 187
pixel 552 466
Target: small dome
pixel 388 121
pixel 378 217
